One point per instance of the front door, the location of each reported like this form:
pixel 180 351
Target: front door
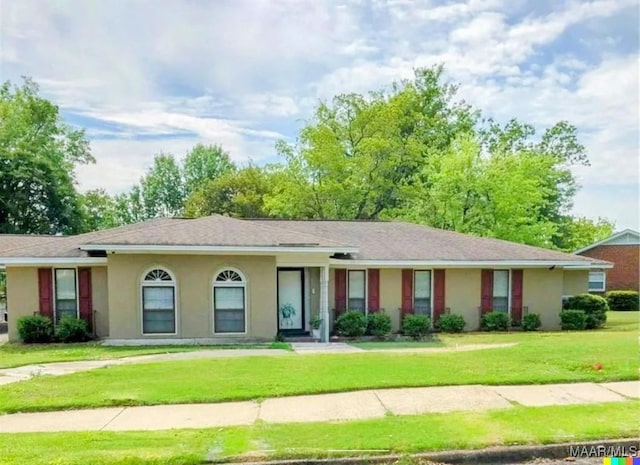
pixel 291 300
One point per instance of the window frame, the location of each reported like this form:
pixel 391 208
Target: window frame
pixel 366 290
pixel 604 281
pixel 508 312
pixel 229 284
pixel 55 291
pixel 413 297
pixel 173 283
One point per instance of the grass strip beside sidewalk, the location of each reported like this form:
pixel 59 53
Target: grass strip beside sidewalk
pixel 406 434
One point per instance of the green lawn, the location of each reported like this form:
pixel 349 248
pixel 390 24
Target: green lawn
pixel 537 358
pixel 15 354
pixel 405 434
pixel 377 345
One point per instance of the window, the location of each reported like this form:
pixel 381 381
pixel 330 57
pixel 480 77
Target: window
pixel 501 291
pixel 66 294
pixel 597 281
pixel 229 303
pixel 356 289
pixel 158 302
pixel 422 292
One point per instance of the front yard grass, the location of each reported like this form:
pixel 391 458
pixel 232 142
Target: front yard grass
pixel 16 354
pixel 537 358
pixel 404 344
pixel 401 434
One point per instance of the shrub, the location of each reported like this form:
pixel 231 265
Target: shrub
pixel 594 306
pixel 379 324
pixel 351 324
pixel 573 319
pixel 451 323
pixel 531 322
pixel 35 329
pixel 416 326
pixel 279 337
pixel 623 300
pixel 494 321
pixel 71 329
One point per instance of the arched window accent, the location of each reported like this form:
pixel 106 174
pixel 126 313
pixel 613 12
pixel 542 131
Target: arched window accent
pixel 227 276
pixel 229 302
pixel 158 275
pixel 158 291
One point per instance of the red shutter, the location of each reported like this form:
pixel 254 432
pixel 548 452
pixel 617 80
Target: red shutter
pixel 486 299
pixel 45 291
pixel 438 294
pixel 516 296
pixel 407 291
pixel 340 275
pixel 84 296
pixel 373 282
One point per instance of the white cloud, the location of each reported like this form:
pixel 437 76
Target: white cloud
pixel 244 73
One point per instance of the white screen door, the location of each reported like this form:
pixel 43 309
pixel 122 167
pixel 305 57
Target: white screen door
pixel 290 309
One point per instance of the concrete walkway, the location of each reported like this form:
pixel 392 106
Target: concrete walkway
pixel 355 405
pixel 26 372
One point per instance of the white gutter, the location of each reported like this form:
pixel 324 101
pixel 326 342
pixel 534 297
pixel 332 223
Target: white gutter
pixel 208 249
pixel 465 263
pixel 47 261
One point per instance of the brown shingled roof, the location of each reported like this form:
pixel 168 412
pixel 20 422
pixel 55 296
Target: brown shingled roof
pixel 213 230
pixel 375 240
pixel 394 240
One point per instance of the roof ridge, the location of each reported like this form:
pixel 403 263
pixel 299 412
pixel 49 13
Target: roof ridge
pixel 300 233
pixel 493 239
pixel 163 224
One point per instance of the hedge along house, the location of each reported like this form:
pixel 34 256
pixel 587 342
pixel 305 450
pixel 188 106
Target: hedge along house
pixel 218 279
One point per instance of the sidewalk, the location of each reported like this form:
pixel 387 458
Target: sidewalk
pixel 356 405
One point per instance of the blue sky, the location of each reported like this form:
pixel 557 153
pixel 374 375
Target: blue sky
pixel 146 76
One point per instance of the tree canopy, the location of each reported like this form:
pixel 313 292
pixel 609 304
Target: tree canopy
pixel 38 154
pixel 412 151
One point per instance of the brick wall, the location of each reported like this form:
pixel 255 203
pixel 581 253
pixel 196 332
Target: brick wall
pixel 626 260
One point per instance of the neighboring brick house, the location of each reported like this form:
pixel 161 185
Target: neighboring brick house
pixel 623 250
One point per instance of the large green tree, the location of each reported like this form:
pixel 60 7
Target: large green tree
pixel 99 210
pixel 204 163
pixel 237 193
pixel 38 155
pixel 351 158
pixel 415 152
pixel 162 187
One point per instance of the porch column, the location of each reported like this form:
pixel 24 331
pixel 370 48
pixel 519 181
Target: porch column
pixel 324 302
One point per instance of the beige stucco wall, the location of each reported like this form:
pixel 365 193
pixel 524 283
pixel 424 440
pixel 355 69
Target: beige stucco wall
pixel 194 275
pixel 22 296
pixel 542 294
pixel 391 294
pixel 100 300
pixel 575 282
pixel 462 295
